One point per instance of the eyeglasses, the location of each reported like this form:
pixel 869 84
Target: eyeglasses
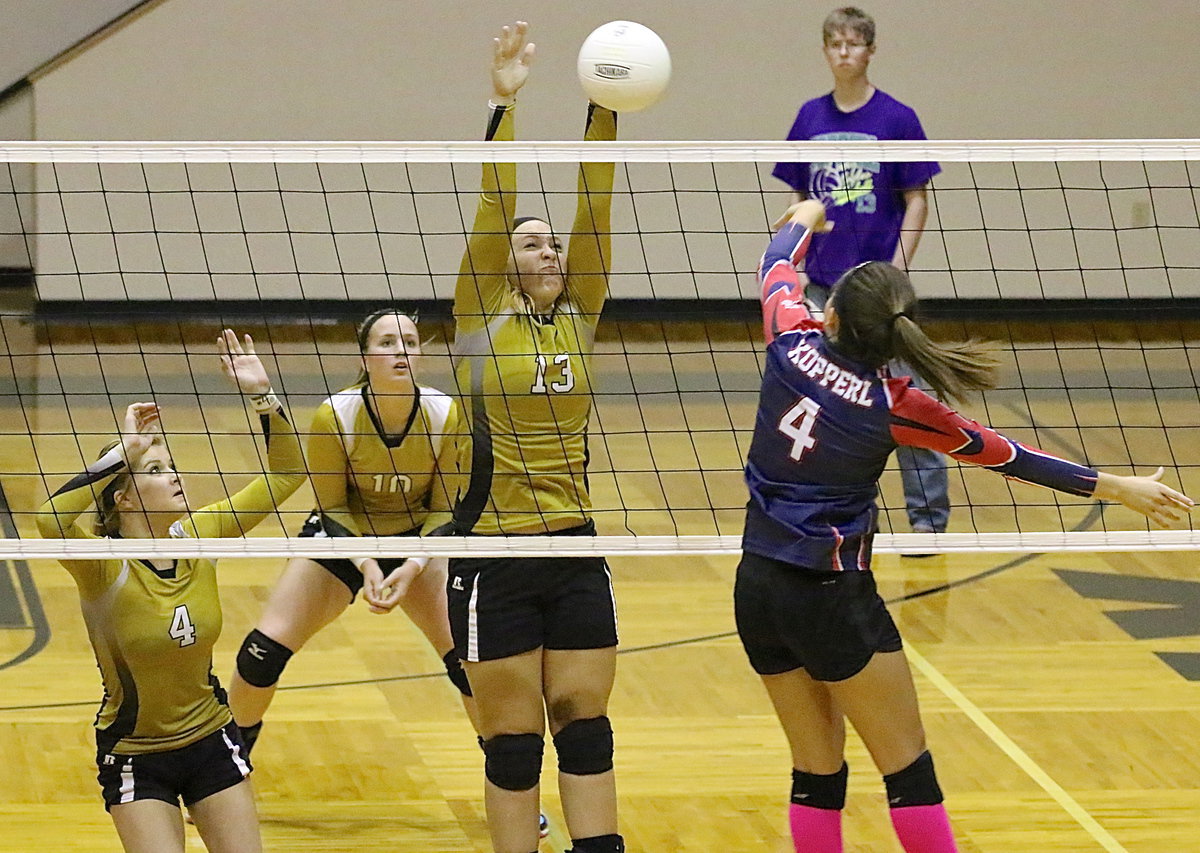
pixel 838 45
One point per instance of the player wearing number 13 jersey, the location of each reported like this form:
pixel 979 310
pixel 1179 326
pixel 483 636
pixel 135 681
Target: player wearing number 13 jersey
pixel 164 732
pixel 808 614
pixel 537 635
pixel 525 326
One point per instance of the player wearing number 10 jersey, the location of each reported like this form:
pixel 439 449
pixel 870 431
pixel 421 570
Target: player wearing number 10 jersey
pixel 381 458
pixel 808 614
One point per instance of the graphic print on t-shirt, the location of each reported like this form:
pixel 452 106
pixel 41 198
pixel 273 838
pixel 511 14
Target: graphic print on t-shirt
pixel 838 184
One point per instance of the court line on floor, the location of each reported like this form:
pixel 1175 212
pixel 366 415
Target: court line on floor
pixel 38 622
pixel 1018 756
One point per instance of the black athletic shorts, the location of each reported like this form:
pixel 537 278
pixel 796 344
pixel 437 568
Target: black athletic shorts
pixel 190 773
pixel 500 607
pixel 828 623
pixel 344 570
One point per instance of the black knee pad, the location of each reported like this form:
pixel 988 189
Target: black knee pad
pixel 260 660
pixel 456 673
pixel 514 762
pixel 585 747
pixel 820 791
pixel 915 785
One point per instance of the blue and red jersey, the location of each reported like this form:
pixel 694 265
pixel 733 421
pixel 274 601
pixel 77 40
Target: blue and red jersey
pixel 826 426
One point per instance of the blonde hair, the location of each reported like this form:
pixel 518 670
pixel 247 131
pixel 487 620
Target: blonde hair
pixel 108 517
pixel 849 18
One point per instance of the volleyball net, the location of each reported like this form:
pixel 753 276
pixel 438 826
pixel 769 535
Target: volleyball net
pixel 1080 260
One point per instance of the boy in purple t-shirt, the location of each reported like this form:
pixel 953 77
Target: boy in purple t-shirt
pixel 879 210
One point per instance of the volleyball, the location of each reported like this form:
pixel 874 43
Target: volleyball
pixel 624 66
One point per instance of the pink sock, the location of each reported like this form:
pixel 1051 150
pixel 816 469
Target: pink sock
pixel 924 829
pixel 815 830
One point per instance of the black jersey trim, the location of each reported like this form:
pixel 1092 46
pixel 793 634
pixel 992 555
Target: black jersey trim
pixel 215 683
pixel 470 507
pixel 592 111
pixel 125 721
pixel 391 441
pixel 900 420
pixel 494 122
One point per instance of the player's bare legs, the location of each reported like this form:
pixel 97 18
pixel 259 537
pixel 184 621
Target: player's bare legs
pixel 813 724
pixel 509 696
pixel 577 684
pixel 149 826
pixel 306 598
pixel 892 729
pixel 228 820
pixel 425 605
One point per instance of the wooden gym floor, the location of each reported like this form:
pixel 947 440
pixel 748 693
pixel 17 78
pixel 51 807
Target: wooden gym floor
pixel 1055 726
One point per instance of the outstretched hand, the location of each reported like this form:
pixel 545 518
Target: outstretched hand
pixel 810 213
pixel 138 430
pixel 1147 495
pixel 511 57
pixel 240 363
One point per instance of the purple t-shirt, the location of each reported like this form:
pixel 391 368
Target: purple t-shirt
pixel 865 201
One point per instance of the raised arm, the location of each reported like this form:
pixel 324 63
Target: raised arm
pixel 284 474
pixel 285 471
pixel 58 517
pixel 918 420
pixel 481 288
pixel 589 256
pixel 782 287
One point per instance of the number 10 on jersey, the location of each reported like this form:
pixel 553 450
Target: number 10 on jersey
pixel 797 424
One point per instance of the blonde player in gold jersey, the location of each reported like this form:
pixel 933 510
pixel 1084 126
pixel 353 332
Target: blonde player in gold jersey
pixel 537 636
pixel 164 733
pixel 381 456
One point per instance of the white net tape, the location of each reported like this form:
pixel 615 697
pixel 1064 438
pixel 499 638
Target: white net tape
pixel 578 546
pixel 621 152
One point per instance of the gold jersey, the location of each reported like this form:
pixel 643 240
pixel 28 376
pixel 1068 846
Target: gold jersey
pixel 153 630
pixel 370 483
pixel 526 380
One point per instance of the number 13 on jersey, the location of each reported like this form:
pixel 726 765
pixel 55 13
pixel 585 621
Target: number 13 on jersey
pixel 797 424
pixel 563 362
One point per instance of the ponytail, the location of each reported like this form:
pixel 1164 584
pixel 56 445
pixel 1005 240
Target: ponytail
pixel 875 305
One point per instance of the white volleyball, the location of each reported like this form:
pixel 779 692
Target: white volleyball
pixel 624 66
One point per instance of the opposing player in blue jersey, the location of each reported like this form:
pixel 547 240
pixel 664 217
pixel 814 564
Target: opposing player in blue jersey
pixel 808 613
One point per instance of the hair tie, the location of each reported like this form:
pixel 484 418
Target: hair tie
pixel 898 315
